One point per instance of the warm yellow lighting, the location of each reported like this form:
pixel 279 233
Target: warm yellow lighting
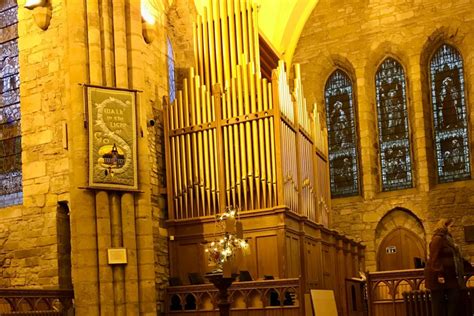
pixel 31 4
pixel 41 12
pixel 281 22
pixel 147 13
pixel 148 32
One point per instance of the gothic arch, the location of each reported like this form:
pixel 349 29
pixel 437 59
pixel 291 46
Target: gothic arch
pixel 338 62
pixel 449 114
pixel 323 73
pixel 317 71
pixel 387 50
pixel 376 56
pixel 454 35
pixel 343 133
pixel 398 218
pixel 399 240
pixel 393 126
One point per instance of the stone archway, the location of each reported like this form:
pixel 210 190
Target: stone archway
pixel 399 240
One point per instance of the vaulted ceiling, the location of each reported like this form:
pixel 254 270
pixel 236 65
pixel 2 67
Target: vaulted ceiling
pixel 281 22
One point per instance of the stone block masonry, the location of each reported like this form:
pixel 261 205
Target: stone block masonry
pixel 356 36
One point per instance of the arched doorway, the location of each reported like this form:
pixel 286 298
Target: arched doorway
pixel 400 249
pixel 400 241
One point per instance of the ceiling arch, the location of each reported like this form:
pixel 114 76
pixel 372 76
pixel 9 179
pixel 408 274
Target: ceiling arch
pixel 281 22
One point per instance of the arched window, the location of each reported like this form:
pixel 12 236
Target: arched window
pixel 394 143
pixel 342 136
pixel 171 81
pixel 10 136
pixel 449 115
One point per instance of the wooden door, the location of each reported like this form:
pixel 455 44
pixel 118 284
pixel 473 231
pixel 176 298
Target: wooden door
pixel 399 249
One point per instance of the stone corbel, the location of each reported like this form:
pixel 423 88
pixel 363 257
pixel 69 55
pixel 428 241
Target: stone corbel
pixel 42 12
pixel 148 21
pixel 148 31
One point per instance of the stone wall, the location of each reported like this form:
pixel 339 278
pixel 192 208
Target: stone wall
pixel 181 16
pixel 176 26
pixel 81 46
pixel 356 36
pixel 156 81
pixel 28 232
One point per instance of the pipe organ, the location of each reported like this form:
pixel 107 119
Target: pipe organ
pixel 234 138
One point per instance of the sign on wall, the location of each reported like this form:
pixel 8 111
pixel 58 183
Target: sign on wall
pixel 391 249
pixel 112 138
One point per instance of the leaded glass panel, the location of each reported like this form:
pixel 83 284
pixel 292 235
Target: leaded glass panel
pixel 394 143
pixel 171 81
pixel 342 137
pixel 8 16
pixel 10 126
pixel 449 115
pixel 6 4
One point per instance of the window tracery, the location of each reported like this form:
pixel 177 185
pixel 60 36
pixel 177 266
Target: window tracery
pixel 171 79
pixel 449 115
pixel 392 123
pixel 10 125
pixel 342 137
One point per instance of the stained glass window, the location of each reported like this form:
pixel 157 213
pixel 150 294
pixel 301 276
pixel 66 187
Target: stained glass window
pixel 449 115
pixel 10 133
pixel 171 81
pixel 342 136
pixel 394 143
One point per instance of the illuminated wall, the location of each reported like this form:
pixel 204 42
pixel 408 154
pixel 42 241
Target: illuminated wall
pixel 281 22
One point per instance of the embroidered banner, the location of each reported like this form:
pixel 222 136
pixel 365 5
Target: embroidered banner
pixel 112 138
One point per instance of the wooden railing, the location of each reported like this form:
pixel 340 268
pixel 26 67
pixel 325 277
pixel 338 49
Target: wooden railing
pixel 386 288
pixel 267 297
pixel 26 302
pixel 418 303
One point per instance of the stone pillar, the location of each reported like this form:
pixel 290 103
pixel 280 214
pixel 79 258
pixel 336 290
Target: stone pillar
pixel 130 243
pixel 106 290
pixel 117 270
pixel 106 38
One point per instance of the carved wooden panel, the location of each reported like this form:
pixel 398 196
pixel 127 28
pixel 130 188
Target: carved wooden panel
pixel 292 255
pixel 267 254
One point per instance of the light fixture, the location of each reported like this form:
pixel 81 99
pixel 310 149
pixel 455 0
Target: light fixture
pixel 31 4
pixel 148 31
pixel 41 12
pixel 148 22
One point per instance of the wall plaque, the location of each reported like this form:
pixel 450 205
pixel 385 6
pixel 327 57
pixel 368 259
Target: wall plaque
pixel 117 256
pixel 112 138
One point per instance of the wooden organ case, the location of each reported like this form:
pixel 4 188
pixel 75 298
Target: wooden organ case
pixel 236 138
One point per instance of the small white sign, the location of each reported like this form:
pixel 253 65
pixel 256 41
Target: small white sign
pixel 117 255
pixel 391 249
